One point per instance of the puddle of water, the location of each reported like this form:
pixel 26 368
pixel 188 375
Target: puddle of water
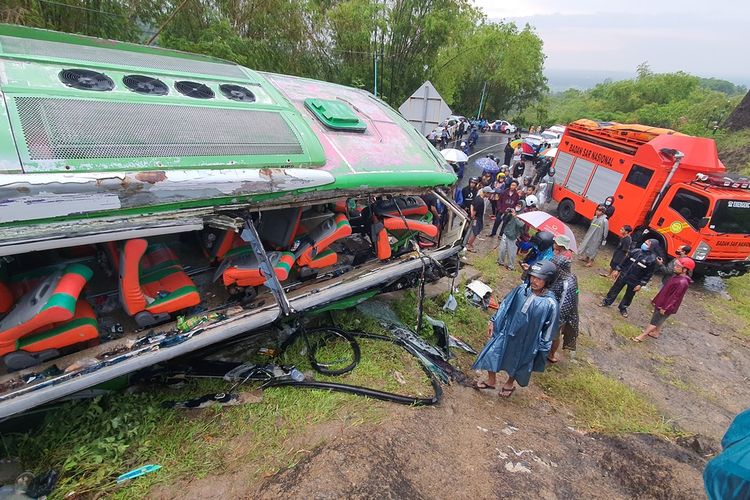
pixel 715 284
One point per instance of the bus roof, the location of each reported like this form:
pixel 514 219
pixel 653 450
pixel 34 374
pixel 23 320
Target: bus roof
pixel 193 120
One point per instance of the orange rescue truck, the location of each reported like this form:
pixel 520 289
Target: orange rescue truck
pixel 667 185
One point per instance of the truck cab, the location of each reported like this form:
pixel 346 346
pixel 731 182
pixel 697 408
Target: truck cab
pixel 714 221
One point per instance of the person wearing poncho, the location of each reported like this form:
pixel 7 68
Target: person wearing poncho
pixel 565 290
pixel 595 237
pixel 522 331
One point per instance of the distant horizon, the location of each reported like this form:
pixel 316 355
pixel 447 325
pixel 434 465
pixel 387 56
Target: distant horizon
pixel 670 35
pixel 579 78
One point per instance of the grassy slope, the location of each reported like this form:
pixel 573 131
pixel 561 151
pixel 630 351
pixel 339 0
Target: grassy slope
pixel 734 150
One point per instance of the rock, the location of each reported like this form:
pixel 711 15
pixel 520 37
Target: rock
pixel 699 444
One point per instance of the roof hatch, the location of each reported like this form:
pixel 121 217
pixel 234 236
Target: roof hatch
pixel 335 115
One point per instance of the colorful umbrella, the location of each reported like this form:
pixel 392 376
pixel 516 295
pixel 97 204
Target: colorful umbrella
pixel 454 155
pixel 545 222
pixel 515 143
pixel 487 165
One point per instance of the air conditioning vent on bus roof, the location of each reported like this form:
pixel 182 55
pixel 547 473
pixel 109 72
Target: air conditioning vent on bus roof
pixel 237 93
pixel 142 84
pixel 84 79
pixel 194 89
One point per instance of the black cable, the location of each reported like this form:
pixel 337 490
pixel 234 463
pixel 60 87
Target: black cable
pixel 374 393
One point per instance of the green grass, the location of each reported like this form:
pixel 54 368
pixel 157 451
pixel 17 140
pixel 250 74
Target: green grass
pixel 602 404
pixel 625 330
pixel 490 271
pixel 92 442
pixel 592 283
pixel 734 313
pixel 739 290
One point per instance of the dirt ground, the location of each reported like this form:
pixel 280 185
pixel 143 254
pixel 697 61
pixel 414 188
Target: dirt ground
pixel 476 445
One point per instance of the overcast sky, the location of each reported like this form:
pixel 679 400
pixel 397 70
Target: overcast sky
pixel 708 38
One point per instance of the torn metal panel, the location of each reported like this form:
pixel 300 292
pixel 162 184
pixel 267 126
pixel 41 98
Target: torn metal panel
pixel 28 197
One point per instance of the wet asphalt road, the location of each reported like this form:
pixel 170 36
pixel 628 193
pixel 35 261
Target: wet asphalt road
pixel 489 143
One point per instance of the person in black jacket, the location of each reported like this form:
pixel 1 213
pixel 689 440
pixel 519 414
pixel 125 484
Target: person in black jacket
pixel 633 273
pixel 508 152
pixel 623 247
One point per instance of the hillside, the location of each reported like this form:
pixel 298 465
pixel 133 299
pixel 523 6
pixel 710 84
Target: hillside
pixel 734 140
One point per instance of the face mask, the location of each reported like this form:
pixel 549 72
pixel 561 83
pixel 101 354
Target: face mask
pixel 644 247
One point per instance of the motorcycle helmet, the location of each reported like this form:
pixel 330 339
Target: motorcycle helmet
pixel 543 240
pixel 545 270
pixel 463 144
pixel 532 201
pixel 687 263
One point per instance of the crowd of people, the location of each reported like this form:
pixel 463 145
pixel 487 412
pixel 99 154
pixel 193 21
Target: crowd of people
pixel 540 315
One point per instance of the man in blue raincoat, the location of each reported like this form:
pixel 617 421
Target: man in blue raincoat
pixel 727 475
pixel 521 331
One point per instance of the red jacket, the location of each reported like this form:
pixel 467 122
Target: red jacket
pixel 670 296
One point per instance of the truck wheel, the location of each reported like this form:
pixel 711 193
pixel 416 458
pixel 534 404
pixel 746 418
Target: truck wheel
pixel 566 211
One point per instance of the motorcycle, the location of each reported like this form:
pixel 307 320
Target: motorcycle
pixel 473 137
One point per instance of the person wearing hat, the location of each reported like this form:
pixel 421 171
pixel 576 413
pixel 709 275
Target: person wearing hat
pixel 565 290
pixel 595 237
pixel 521 332
pixel 632 273
pixel 476 214
pixel 669 298
pixel 561 246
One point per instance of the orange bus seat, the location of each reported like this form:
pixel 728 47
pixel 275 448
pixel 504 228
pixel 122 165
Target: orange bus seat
pixel 323 259
pixel 82 327
pixel 399 224
pixel 52 302
pixel 382 244
pixel 400 206
pixel 153 283
pixel 242 268
pixel 225 242
pixel 308 247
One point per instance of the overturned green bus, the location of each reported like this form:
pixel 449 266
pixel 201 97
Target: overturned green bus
pixel 142 187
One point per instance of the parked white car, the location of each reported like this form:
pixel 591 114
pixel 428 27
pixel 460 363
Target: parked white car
pixel 553 135
pixel 503 126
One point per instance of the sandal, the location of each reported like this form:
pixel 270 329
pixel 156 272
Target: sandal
pixel 506 393
pixel 552 360
pixel 624 314
pixel 636 339
pixel 481 385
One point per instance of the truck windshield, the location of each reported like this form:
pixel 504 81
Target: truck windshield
pixel 731 216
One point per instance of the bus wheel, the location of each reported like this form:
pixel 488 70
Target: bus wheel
pixel 566 211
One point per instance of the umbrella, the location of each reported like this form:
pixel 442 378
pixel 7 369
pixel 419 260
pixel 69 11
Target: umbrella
pixel 515 143
pixel 455 155
pixel 550 153
pixel 528 149
pixel 487 165
pixel 545 222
